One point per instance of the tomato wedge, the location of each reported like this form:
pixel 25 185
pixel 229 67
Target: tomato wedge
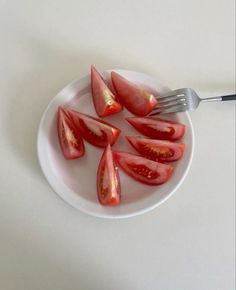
pixel 71 143
pixel 97 132
pixel 104 100
pixel 137 100
pixel 108 181
pixel 157 150
pixel 156 128
pixel 142 169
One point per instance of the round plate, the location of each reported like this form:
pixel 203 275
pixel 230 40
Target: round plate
pixel 75 180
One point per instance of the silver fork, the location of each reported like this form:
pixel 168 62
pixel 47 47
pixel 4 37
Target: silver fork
pixel 183 100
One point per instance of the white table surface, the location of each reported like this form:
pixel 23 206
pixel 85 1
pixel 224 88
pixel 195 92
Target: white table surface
pixel 185 244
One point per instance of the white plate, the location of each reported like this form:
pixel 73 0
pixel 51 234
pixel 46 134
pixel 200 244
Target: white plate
pixel 75 180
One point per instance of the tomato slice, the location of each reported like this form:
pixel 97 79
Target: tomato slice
pixel 104 100
pixel 156 128
pixel 137 100
pixel 108 181
pixel 71 143
pixel 157 150
pixel 97 132
pixel 142 169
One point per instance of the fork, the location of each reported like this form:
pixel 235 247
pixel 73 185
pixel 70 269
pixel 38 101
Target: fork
pixel 181 100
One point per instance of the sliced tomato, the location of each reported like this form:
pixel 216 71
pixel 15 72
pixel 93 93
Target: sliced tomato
pixel 72 144
pixel 137 100
pixel 157 150
pixel 156 128
pixel 108 181
pixel 97 132
pixel 142 169
pixel 104 100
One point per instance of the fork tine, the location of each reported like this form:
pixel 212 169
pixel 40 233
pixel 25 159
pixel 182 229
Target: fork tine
pixel 170 104
pixel 170 101
pixel 171 94
pixel 163 96
pixel 170 109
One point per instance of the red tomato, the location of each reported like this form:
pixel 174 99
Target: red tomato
pixel 103 98
pixel 108 181
pixel 72 144
pixel 137 100
pixel 142 169
pixel 157 150
pixel 97 132
pixel 157 128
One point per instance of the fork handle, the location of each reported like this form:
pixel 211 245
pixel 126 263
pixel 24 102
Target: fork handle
pixel 228 98
pixel 221 98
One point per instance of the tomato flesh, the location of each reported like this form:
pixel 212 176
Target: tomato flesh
pixel 157 150
pixel 142 169
pixel 104 100
pixel 137 100
pixel 108 181
pixel 71 143
pixel 97 132
pixel 156 128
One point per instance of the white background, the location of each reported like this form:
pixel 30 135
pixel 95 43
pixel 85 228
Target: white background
pixel 185 244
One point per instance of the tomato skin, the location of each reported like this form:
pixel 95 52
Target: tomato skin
pixel 137 100
pixel 95 131
pixel 157 150
pixel 142 169
pixel 103 98
pixel 157 128
pixel 71 143
pixel 108 181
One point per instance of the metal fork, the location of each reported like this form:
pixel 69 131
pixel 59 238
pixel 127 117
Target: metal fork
pixel 183 100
